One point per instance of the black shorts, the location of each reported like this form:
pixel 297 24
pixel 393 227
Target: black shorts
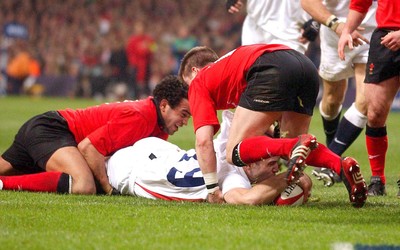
pixel 284 80
pixel 382 62
pixel 37 140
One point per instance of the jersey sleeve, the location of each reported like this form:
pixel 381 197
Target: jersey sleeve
pixel 203 108
pixel 361 6
pixel 232 179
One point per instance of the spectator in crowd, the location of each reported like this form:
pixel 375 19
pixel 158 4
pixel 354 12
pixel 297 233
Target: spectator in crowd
pixel 182 44
pixel 67 33
pixel 22 69
pixel 140 49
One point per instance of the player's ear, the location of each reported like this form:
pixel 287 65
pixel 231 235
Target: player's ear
pixel 163 104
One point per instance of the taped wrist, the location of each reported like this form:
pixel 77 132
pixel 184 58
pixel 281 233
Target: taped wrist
pixel 332 22
pixel 211 181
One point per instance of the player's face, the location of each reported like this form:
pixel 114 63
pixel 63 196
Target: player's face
pixel 175 118
pixel 264 169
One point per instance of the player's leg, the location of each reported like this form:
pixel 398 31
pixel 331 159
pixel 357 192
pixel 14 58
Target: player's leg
pixel 330 106
pixel 54 182
pixel 330 109
pixel 246 124
pixel 379 98
pixel 70 161
pixel 355 118
pixel 7 169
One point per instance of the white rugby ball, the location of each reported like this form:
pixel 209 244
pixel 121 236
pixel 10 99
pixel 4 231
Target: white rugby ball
pixel 293 195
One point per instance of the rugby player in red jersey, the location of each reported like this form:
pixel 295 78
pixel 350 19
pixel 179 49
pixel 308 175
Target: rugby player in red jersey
pixel 76 142
pixel 265 83
pixel 382 81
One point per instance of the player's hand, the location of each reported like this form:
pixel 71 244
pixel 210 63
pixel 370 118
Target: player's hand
pixel 351 40
pixel 310 30
pixel 233 6
pixel 215 197
pixel 113 191
pixel 391 40
pixel 305 183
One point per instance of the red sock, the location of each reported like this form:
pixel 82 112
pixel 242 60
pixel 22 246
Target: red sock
pixel 377 148
pixel 261 147
pixel 323 157
pixel 52 182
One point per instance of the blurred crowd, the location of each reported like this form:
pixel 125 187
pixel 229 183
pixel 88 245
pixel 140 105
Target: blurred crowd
pixel 97 48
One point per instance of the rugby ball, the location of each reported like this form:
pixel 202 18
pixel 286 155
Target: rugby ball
pixel 293 195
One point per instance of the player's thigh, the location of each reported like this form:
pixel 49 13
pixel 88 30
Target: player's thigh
pixel 248 123
pixel 70 161
pixel 7 169
pixel 294 124
pixel 379 99
pixel 359 69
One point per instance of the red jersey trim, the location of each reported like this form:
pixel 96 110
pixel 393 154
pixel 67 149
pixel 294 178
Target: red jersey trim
pixel 167 198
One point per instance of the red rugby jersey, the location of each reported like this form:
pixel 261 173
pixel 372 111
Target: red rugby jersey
pixel 113 126
pixel 387 14
pixel 219 85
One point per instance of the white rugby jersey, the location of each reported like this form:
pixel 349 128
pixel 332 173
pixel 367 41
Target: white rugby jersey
pixel 282 18
pixel 340 8
pixel 157 169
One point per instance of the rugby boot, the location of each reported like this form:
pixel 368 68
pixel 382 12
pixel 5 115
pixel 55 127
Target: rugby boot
pixel 376 187
pixel 354 182
pixel 298 156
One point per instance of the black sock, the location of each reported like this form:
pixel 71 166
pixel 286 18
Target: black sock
pixel 346 134
pixel 64 184
pixel 330 128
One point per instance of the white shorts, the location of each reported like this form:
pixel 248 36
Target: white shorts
pixel 331 67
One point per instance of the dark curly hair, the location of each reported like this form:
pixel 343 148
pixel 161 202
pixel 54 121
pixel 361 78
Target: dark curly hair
pixel 171 89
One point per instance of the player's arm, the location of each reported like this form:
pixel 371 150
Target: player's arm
pixel 317 10
pixel 208 162
pixel 354 19
pixel 262 193
pixel 96 162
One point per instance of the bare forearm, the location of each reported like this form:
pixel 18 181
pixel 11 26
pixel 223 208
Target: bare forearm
pixel 354 19
pixel 96 163
pixel 316 10
pixel 262 193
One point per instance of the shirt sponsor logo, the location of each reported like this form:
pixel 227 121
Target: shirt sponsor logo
pixel 261 101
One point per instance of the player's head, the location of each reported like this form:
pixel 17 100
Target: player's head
pixel 194 60
pixel 262 170
pixel 171 96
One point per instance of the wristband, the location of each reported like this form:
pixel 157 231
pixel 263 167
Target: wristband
pixel 331 20
pixel 211 181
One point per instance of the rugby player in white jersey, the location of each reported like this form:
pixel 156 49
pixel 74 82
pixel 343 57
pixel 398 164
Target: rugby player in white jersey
pixel 273 21
pixel 335 73
pixel 156 169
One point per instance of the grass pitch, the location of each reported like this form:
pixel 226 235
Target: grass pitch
pixel 50 221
